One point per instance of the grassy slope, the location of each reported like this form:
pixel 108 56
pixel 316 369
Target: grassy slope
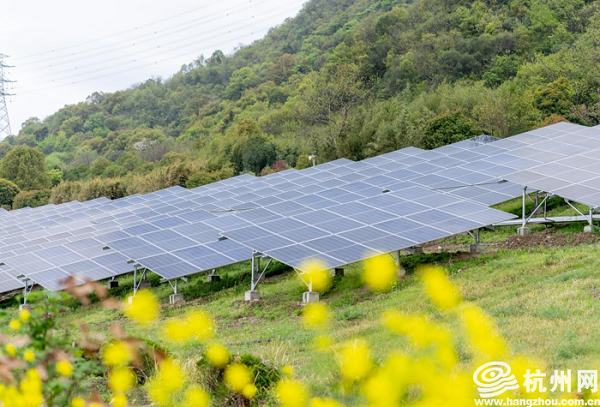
pixel 545 301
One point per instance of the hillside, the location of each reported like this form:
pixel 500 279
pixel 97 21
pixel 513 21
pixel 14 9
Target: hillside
pixel 342 79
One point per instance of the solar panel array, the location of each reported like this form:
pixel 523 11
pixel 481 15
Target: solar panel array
pixel 338 212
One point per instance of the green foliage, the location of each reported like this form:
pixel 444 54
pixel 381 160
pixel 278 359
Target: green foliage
pixel 26 167
pixel 303 162
pixel 56 176
pixel 448 128
pixel 8 192
pixel 411 263
pixel 555 97
pixel 31 199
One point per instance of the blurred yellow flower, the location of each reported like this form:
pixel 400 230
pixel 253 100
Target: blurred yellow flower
pixel 29 356
pixel 287 370
pixel 380 273
pixel 143 308
pixel 121 379
pixel 64 368
pixel 438 287
pixel 217 355
pixel 355 360
pixel 316 275
pixel 14 324
pixel 117 353
pixel 249 391
pixel 119 400
pixel 318 402
pixel 316 315
pixel 323 343
pixel 77 402
pixel 197 325
pixel 10 349
pixel 237 376
pixel 291 393
pixel 24 315
pixel 196 397
pixel 166 382
pixel 482 333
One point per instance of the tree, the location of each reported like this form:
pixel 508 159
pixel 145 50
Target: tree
pixel 56 176
pixel 8 191
pixel 303 162
pixel 448 128
pixel 26 167
pixel 31 199
pixel 555 97
pixel 257 153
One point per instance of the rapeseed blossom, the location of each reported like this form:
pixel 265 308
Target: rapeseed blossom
pixel 217 355
pixel 64 368
pixel 380 273
pixel 316 275
pixel 143 307
pixel 117 353
pixel 196 397
pixel 438 287
pixel 291 393
pixel 237 376
pixel 316 315
pixel 354 359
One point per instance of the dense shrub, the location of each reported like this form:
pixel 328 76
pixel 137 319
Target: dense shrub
pixel 31 199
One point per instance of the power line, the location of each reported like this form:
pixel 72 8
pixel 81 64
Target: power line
pixel 118 34
pixel 4 120
pixel 154 50
pixel 132 42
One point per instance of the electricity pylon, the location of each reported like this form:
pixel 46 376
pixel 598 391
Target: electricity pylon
pixel 4 121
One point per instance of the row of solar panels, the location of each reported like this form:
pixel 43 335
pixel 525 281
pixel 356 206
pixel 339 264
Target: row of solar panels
pixel 338 212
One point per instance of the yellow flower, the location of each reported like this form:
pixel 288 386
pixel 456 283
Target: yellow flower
pixel 323 343
pixel 117 354
pixel 217 355
pixel 249 391
pixel 380 273
pixel 287 370
pixel 96 404
pixel 291 393
pixel 64 368
pixel 482 333
pixel 144 307
pixel 24 315
pixel 10 349
pixel 29 355
pixel 196 397
pixel 166 382
pixel 14 325
pixel 77 402
pixel 355 360
pixel 318 402
pixel 316 315
pixel 121 379
pixel 119 400
pixel 197 325
pixel 316 275
pixel 237 376
pixel 440 290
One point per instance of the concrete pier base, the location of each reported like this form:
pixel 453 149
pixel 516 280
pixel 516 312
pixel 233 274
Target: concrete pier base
pixel 477 248
pixel 23 307
pixel 309 297
pixel 176 298
pixel 145 284
pixel 337 272
pixel 252 296
pixel 588 229
pixel 213 277
pixel 524 231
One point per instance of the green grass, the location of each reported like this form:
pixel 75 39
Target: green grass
pixel 546 302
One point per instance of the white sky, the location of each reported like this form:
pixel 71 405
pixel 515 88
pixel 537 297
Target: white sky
pixel 64 50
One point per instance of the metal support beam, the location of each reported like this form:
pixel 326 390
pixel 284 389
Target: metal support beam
pixel 525 219
pixel 589 220
pixel 524 216
pixel 257 274
pixel 136 284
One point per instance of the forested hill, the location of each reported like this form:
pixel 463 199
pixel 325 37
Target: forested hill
pixel 342 79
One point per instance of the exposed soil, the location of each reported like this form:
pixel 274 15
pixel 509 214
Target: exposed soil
pixel 547 238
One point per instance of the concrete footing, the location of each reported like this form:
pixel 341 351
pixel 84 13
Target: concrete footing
pixel 309 297
pixel 252 296
pixel 416 250
pixel 113 284
pixel 24 307
pixel 145 284
pixel 524 231
pixel 477 248
pixel 588 229
pixel 213 278
pixel 176 298
pixel 337 272
pixel 130 299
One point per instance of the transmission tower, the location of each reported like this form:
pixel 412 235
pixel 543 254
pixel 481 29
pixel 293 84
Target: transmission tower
pixel 4 121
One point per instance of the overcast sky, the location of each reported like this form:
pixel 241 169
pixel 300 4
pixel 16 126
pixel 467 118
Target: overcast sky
pixel 64 50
